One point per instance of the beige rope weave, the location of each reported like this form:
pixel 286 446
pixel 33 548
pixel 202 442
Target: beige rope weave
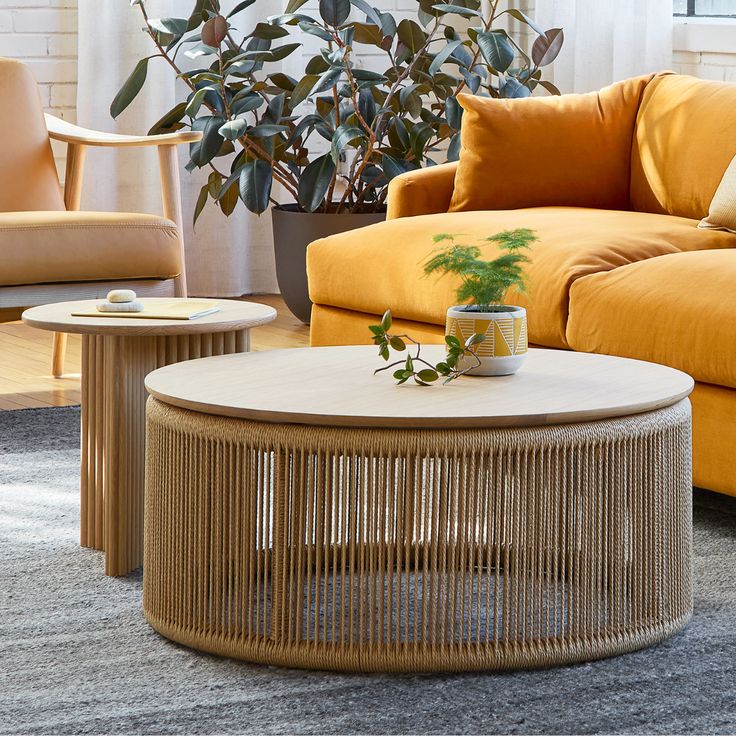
pixel 403 550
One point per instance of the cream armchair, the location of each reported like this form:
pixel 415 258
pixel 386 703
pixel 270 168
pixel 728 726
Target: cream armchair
pixel 49 250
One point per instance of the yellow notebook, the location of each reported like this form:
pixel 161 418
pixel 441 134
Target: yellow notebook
pixel 175 309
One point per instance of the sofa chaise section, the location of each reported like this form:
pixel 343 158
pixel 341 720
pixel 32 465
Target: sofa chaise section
pixel 643 282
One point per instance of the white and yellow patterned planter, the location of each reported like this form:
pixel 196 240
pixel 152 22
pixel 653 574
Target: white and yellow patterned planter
pixel 505 347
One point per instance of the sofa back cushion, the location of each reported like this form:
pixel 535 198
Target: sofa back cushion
pixel 28 179
pixel 685 139
pixel 571 150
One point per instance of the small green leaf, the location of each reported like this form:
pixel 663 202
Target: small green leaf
pixel 397 344
pixel 328 79
pixel 475 339
pixel 497 50
pixel 376 329
pixel 513 88
pixel 170 121
pixel 233 129
pixel 399 374
pixel 411 35
pixel 314 182
pixel 458 10
pixel 386 321
pixel 201 202
pixel 452 341
pixel 428 375
pixel 370 13
pixel 303 88
pixel 525 19
pixel 269 32
pixel 393 167
pixel 204 151
pixel 443 56
pixel 131 87
pixel 267 130
pixel 246 104
pixel 174 26
pixel 255 185
pixel 343 137
pixel 228 199
pixel 241 6
pixel 195 101
pixel 294 5
pixel 334 12
pixel 453 113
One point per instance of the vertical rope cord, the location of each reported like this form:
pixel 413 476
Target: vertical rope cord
pixel 404 550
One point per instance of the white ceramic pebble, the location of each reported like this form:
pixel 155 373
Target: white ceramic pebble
pixel 121 296
pixel 120 307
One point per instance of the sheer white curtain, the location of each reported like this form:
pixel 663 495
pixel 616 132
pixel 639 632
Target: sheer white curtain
pixel 607 40
pixel 225 256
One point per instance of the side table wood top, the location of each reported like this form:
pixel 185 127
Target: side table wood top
pixel 233 315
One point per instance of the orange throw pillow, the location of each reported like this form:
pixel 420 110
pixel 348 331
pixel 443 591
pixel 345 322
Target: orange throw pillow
pixel 572 150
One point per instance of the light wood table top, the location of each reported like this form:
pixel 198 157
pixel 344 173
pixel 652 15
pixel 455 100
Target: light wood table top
pixel 233 315
pixel 335 386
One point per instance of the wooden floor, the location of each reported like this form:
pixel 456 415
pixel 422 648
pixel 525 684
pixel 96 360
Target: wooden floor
pixel 25 359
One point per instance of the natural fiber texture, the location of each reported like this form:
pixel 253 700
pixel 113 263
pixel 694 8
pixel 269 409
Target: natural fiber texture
pixel 113 429
pixel 417 550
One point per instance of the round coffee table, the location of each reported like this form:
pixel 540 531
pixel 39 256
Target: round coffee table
pixel 117 353
pixel 301 511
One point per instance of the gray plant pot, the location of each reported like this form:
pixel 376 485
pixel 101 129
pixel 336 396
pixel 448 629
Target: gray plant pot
pixel 293 231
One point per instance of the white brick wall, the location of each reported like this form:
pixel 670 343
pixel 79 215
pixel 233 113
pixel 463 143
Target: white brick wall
pixel 706 65
pixel 43 34
pixel 706 48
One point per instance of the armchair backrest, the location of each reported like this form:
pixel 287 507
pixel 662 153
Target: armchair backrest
pixel 684 139
pixel 28 178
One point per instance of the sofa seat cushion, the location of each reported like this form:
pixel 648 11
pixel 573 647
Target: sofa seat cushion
pixel 53 247
pixel 678 310
pixel 381 266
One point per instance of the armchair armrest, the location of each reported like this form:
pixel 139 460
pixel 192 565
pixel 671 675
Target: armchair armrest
pixel 61 130
pixel 421 192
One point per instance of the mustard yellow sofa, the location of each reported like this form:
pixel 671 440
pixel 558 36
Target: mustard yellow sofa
pixel 614 183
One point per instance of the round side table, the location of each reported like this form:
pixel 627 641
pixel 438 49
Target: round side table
pixel 301 511
pixel 117 353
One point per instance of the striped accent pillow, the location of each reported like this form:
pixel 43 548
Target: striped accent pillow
pixel 722 212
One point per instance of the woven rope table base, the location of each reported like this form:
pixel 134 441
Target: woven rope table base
pixel 404 550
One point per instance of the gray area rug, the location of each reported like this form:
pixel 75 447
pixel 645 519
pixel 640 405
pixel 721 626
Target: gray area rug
pixel 77 656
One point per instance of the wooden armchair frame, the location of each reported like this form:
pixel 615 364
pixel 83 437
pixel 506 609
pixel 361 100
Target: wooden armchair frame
pixel 77 140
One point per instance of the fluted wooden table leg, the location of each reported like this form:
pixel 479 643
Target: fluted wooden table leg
pixel 113 433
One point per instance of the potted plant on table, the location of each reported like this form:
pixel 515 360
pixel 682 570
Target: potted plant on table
pixel 484 337
pixel 484 284
pixel 333 137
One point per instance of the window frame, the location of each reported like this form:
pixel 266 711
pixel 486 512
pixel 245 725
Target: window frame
pixel 690 13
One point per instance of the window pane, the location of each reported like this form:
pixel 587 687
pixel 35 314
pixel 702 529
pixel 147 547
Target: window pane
pixel 715 7
pixel 680 7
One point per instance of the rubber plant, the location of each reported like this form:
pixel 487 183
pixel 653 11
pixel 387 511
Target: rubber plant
pixel 335 136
